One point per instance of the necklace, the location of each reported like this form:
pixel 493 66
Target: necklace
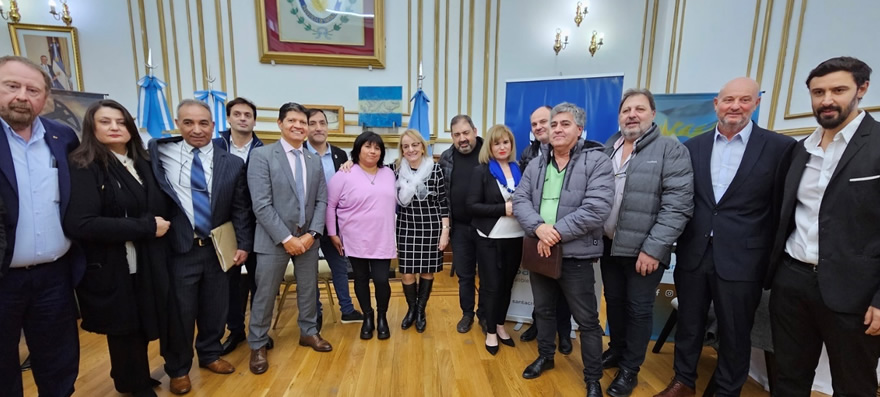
pixel 373 179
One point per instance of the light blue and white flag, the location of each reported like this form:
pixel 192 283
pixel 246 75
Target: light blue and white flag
pixel 153 113
pixel 217 101
pixel 380 106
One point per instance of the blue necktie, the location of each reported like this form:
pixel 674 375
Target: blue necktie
pixel 300 187
pixel 201 202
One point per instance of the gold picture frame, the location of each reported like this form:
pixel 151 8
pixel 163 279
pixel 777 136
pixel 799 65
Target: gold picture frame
pixel 335 118
pixel 54 48
pixel 315 44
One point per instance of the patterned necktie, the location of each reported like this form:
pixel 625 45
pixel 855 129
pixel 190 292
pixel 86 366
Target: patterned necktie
pixel 201 202
pixel 300 187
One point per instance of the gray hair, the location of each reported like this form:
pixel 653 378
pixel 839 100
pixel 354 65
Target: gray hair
pixel 580 117
pixel 637 91
pixel 195 102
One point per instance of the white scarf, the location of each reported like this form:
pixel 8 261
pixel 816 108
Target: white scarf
pixel 412 184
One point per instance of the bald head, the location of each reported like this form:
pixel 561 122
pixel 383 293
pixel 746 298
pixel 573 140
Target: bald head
pixel 735 104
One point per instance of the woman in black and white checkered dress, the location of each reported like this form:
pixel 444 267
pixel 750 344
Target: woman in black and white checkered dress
pixel 422 224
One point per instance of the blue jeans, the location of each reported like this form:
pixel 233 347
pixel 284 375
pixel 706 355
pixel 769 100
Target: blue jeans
pixel 339 271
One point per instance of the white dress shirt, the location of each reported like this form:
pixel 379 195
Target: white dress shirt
pixel 177 159
pixel 241 152
pixel 803 243
pixel 726 158
pixel 130 251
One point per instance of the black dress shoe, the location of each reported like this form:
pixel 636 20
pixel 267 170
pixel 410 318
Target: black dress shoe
pixel 540 365
pixel 271 344
pixel 484 326
pixel 594 389
pixel 464 325
pixel 623 384
pixel 232 341
pixel 565 345
pixel 610 359
pixel 529 334
pixel 493 350
pixel 507 342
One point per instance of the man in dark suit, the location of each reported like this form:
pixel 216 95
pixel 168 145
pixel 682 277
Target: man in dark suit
pixel 239 140
pixel 290 201
pixel 41 265
pixel 210 189
pixel 826 268
pixel 332 158
pixel 723 253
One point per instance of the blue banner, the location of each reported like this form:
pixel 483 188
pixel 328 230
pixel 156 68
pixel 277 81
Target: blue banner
pixel 688 115
pixel 599 96
pixel 380 106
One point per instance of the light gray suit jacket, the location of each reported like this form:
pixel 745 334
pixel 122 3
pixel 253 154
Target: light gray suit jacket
pixel 276 205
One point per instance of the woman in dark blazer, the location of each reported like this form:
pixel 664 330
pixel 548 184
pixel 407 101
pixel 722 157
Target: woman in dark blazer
pixel 118 215
pixel 499 241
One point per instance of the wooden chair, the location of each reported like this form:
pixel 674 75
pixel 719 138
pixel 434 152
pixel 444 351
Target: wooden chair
pixel 324 280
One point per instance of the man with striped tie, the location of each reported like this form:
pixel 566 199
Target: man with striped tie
pixel 209 187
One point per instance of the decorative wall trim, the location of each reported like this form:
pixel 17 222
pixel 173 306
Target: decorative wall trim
pixel 470 78
pixel 754 36
pixel 651 47
pixel 134 53
pixel 765 36
pixel 642 50
pixel 672 46
pixel 495 83
pixel 163 41
pixel 231 49
pixel 780 63
pixel 485 98
pixel 680 37
pixel 221 51
pixel 176 53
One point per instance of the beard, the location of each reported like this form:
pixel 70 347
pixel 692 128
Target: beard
pixel 18 115
pixel 835 121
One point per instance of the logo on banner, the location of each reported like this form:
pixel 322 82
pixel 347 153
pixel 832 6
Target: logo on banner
pixel 336 22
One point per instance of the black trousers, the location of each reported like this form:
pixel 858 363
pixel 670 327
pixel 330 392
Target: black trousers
pixel 464 261
pixel 801 323
pixel 377 269
pixel 240 287
pixel 499 262
pixel 629 304
pixel 129 364
pixel 40 301
pixel 202 292
pixel 577 286
pixel 735 305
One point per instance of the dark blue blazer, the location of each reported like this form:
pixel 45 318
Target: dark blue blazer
pixel 223 141
pixel 744 220
pixel 61 140
pixel 230 199
pixel 849 223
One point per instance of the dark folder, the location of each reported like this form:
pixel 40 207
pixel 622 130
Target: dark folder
pixel 550 266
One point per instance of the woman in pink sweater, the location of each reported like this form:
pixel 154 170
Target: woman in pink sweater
pixel 362 203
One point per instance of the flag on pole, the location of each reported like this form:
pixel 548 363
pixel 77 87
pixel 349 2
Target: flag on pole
pixel 418 119
pixel 153 113
pixel 217 101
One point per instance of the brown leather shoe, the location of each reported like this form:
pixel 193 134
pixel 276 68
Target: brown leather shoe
pixel 180 385
pixel 220 366
pixel 316 342
pixel 259 363
pixel 677 389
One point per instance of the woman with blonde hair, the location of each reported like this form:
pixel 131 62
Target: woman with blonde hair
pixel 422 224
pixel 499 245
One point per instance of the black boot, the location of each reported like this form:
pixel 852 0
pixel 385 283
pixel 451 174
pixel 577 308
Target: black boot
pixel 410 291
pixel 425 286
pixel 382 331
pixel 368 326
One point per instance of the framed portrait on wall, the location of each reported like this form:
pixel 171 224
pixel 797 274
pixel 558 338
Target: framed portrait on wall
pixel 335 117
pixel 54 48
pixel 322 32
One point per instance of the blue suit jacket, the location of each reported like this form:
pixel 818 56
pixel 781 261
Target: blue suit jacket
pixel 230 200
pixel 744 219
pixel 61 140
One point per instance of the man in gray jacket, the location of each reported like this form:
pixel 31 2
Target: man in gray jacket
pixel 653 200
pixel 564 199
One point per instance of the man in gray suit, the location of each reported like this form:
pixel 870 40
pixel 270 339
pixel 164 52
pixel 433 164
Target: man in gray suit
pixel 289 197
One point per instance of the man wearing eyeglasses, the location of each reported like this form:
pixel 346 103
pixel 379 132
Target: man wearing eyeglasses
pixel 210 189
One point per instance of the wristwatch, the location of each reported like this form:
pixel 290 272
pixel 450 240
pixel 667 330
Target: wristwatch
pixel 315 235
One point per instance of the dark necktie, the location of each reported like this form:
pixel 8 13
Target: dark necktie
pixel 300 187
pixel 201 202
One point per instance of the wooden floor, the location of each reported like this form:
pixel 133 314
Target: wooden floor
pixel 438 362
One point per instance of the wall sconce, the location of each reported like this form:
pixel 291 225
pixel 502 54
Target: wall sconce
pixel 595 43
pixel 579 15
pixel 64 16
pixel 13 14
pixel 559 45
